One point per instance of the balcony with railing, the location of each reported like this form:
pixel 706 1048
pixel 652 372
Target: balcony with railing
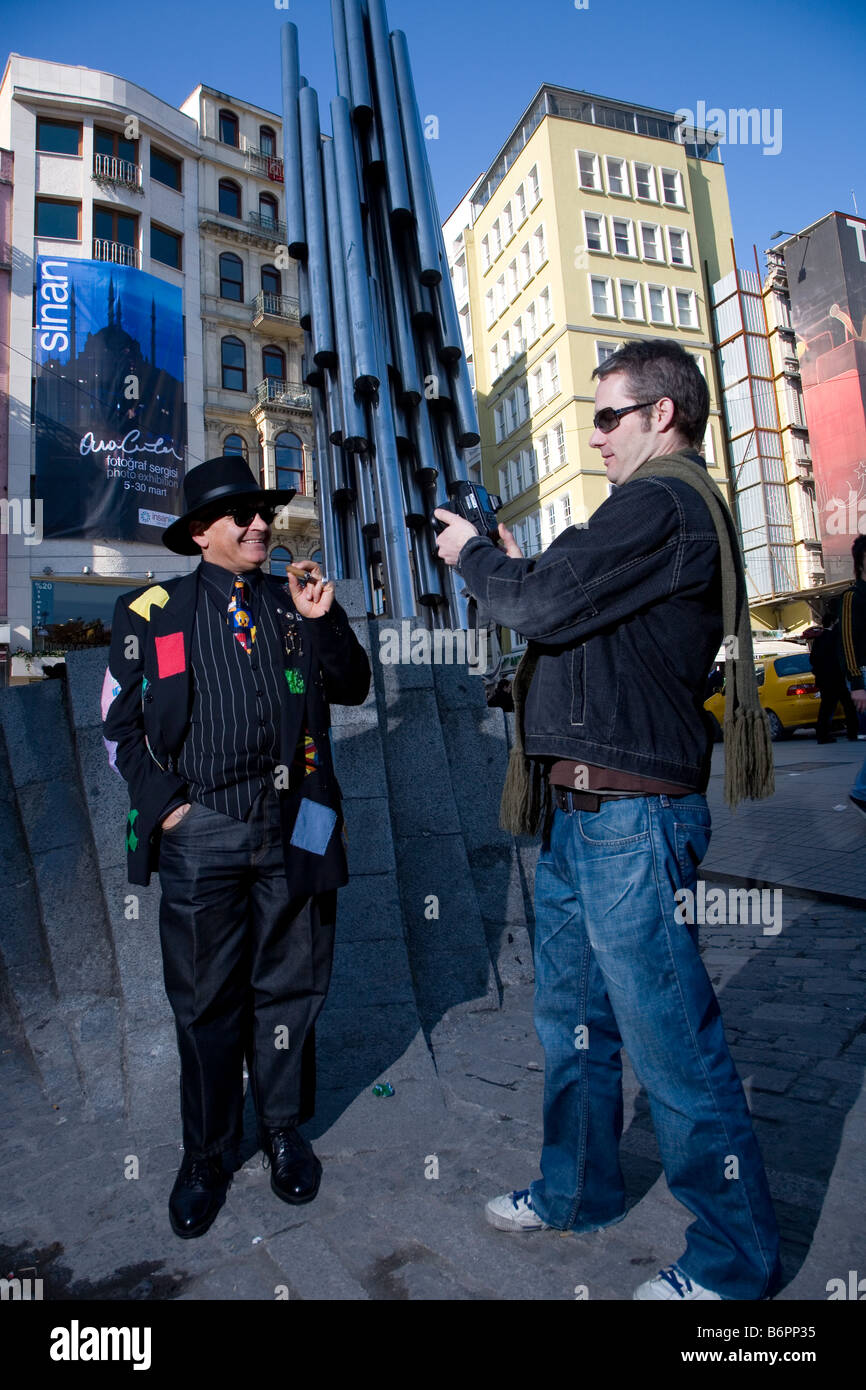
pixel 268 166
pixel 277 310
pixel 107 168
pixel 291 395
pixel 267 226
pixel 116 251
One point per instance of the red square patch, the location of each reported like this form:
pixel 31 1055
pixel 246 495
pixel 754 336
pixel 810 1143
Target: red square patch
pixel 170 657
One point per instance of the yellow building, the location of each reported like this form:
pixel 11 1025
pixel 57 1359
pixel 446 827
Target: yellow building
pixel 594 225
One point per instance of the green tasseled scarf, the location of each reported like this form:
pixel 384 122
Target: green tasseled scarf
pixel 749 773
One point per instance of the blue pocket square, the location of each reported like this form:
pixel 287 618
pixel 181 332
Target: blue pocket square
pixel 313 827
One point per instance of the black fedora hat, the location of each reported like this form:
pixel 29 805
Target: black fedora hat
pixel 226 479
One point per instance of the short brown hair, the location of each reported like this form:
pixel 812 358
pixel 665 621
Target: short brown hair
pixel 657 367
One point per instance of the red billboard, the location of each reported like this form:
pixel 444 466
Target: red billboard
pixel 826 269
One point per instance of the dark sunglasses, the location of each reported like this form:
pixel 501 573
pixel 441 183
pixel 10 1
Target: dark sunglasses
pixel 242 515
pixel 608 419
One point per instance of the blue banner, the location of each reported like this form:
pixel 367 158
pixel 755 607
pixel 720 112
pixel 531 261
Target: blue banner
pixel 109 411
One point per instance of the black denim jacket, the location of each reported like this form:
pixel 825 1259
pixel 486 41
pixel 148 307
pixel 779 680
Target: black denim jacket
pixel 625 614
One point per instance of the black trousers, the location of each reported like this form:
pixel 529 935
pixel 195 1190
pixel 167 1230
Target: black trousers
pixel 834 691
pixel 246 970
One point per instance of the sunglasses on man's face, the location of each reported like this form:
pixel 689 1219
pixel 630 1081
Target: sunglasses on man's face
pixel 243 515
pixel 608 419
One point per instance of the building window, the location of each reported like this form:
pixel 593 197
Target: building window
pixel 61 221
pixel 229 198
pixel 486 260
pixel 235 446
pixel 506 349
pixel 672 187
pixel 113 144
pixel 521 402
pixel 623 236
pixel 274 363
pixel 165 246
pixel 552 366
pixel 594 230
pixel 58 137
pixel 111 225
pixel 490 307
pixel 588 171
pixel 687 316
pixel 513 283
pixel 658 304
pixel 267 141
pixel 545 311
pixel 520 205
pixel 539 247
pixel 272 281
pixel 602 296
pixel 645 181
pixel 617 176
pixel 519 337
pixel 279 557
pixel 233 356
pixel 165 169
pixel 501 300
pixel 565 508
pixel 496 238
pixel 499 423
pixel 507 223
pixel 650 241
pixel 545 455
pixel 678 245
pixel 531 323
pixel 525 265
pixel 269 210
pixel 505 484
pixel 631 306
pixel 231 277
pixel 533 186
pixel 289 453
pixel 494 362
pixel 603 351
pixel 559 445
pixel 550 522
pixel 536 389
pixel 229 128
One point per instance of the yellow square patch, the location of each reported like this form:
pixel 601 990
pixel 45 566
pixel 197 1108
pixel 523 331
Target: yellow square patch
pixel 155 596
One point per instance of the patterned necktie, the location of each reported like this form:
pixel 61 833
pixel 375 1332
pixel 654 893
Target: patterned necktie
pixel 241 615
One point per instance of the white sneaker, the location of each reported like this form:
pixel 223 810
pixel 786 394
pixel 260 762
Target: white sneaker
pixel 513 1212
pixel 672 1283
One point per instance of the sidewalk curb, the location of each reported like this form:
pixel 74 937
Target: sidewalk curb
pixel 795 889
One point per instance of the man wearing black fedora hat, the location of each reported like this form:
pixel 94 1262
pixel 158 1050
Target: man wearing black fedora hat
pixel 217 698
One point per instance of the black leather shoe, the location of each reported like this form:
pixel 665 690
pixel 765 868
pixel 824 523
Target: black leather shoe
pixel 295 1170
pixel 198 1193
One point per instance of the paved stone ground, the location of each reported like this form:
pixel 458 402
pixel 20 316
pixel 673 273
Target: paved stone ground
pixel 400 1212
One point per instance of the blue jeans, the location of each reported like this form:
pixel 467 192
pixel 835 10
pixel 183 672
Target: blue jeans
pixel 614 968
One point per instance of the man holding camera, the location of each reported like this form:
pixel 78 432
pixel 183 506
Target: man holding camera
pixel 612 755
pixel 217 698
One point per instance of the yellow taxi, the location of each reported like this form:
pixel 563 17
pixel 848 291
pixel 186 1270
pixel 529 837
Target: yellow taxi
pixel 787 691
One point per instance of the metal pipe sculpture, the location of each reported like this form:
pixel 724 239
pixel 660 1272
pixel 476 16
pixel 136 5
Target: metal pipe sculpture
pixel 392 400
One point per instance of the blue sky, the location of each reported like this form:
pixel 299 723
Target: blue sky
pixel 478 64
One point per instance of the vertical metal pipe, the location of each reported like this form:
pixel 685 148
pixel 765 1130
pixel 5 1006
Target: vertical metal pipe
pixel 403 359
pixel 453 462
pixel 437 383
pixel 324 497
pixel 418 295
pixel 324 353
pixel 341 50
pixel 362 102
pixel 357 281
pixel 388 112
pixel 392 527
pixel 420 429
pixel 291 81
pixel 416 161
pixel 466 415
pixel 364 492
pixel 335 405
pixel 304 297
pixel 354 424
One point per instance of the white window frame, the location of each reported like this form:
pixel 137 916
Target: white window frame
pixel 536 389
pixel 686 247
pixel 532 333
pixel 525 259
pixel 565 510
pixel 519 336
pixel 534 184
pixel 629 225
pixel 663 290
pixel 604 350
pixel 693 306
pixel 559 445
pixel 505 483
pixel 496 235
pixel 501 295
pixel 676 202
pixel 531 466
pixel 520 202
pixel 545 460
pixel 507 224
pixel 499 423
pixel 505 343
pixel 512 281
pixel 539 247
pixel 595 175
pixel 610 311
pixel 659 245
pixel 548 513
pixel 545 311
pixel 554 382
pixel 521 396
pixel 490 303
pixel 486 258
pixel 626 178
pixel 640 315
pixel 652 196
pixel 495 369
pixel 602 231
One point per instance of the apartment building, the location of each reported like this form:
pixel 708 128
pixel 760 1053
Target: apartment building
pixel 594 225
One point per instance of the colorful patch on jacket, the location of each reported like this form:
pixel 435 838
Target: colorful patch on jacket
pixel 154 597
pixel 306 754
pixel 314 827
pixel 132 841
pixel 170 655
pixel 110 692
pixel 296 682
